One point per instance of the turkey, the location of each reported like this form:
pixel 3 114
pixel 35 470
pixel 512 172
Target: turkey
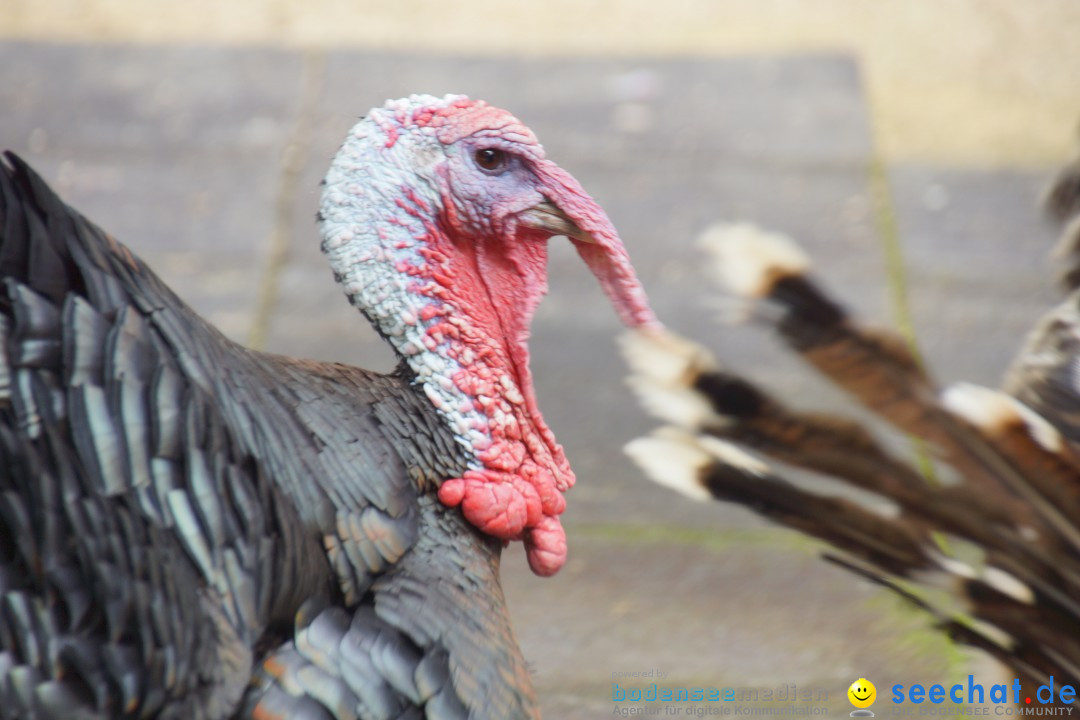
pixel 191 529
pixel 998 528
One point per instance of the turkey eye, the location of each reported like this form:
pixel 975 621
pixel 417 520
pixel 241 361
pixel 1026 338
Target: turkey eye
pixel 490 159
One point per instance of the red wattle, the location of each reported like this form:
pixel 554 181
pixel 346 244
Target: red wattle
pixel 494 505
pixel 545 547
pixel 452 492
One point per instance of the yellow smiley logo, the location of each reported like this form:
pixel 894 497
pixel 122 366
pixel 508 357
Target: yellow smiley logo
pixel 862 693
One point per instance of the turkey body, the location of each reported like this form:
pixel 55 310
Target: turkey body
pixel 171 500
pixel 192 529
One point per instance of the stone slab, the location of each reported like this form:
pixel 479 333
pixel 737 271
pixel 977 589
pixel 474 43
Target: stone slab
pixel 738 609
pixel 976 251
pixel 174 150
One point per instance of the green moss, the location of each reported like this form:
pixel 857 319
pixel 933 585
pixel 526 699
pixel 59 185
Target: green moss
pixel 918 639
pixel 718 541
pixel 908 629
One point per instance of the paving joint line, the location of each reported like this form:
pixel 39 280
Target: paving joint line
pixel 292 166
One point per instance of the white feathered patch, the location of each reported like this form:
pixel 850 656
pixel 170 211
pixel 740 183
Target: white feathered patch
pixel 749 260
pixel 677 459
pixel 673 459
pixel 994 411
pixel 663 368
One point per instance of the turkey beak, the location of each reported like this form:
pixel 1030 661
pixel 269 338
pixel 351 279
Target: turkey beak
pixel 570 211
pixel 547 216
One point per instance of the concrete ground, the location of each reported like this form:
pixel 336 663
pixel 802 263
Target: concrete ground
pixel 904 144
